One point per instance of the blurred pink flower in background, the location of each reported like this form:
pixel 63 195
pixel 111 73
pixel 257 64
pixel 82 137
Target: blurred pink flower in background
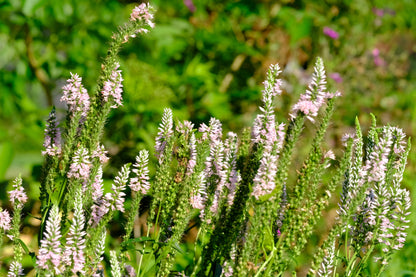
pixel 378 12
pixel 331 33
pixel 378 61
pixel 336 77
pixel 190 5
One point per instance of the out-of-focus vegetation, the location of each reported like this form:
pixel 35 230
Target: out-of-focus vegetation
pixel 202 60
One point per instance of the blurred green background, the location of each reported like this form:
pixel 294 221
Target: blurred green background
pixel 204 58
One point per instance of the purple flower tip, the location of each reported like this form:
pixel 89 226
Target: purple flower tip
pixel 331 33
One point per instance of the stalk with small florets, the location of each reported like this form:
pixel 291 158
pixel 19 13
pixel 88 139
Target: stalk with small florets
pixel 267 139
pixel 74 256
pixel 18 198
pixel 49 259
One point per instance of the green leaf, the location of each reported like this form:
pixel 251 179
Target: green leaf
pixel 24 246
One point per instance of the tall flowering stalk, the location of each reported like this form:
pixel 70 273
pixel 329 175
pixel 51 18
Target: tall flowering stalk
pixel 163 148
pixel 74 256
pixel 164 134
pixel 140 186
pixel 76 96
pixel 18 198
pixel 112 88
pixel 117 197
pixel 101 204
pixel 267 137
pixel 49 259
pixel 109 91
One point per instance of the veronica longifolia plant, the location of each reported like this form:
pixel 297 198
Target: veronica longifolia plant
pixel 251 219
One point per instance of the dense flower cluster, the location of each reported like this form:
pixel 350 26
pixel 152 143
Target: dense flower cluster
pixel 101 205
pixel 15 270
pixel 76 96
pixel 192 156
pixel 214 171
pixel 50 251
pixel 74 251
pixel 5 220
pixel 141 181
pixel 327 265
pixel 116 198
pixel 198 197
pixel 142 13
pixel 314 97
pixel 266 134
pixel 81 165
pixel 101 154
pixel 264 182
pixel 113 88
pixel 18 196
pixel 165 132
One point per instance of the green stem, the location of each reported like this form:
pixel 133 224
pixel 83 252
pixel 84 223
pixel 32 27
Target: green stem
pixel 132 214
pixel 266 262
pixel 147 235
pixel 194 271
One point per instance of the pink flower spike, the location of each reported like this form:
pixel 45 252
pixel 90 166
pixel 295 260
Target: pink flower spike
pixel 199 196
pixel 81 165
pixel 74 253
pixel 331 33
pixel 5 220
pixel 112 88
pixel 75 95
pixel 142 13
pixel 101 154
pixel 141 181
pixel 307 107
pixel 50 251
pixel 116 198
pixel 18 196
pixel 164 134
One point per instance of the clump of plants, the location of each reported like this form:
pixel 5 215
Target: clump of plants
pixel 234 189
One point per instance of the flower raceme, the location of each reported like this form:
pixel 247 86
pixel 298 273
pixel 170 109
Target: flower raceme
pixel 76 96
pixel 18 196
pixel 81 165
pixel 141 181
pixel 5 220
pixel 113 87
pixel 50 251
